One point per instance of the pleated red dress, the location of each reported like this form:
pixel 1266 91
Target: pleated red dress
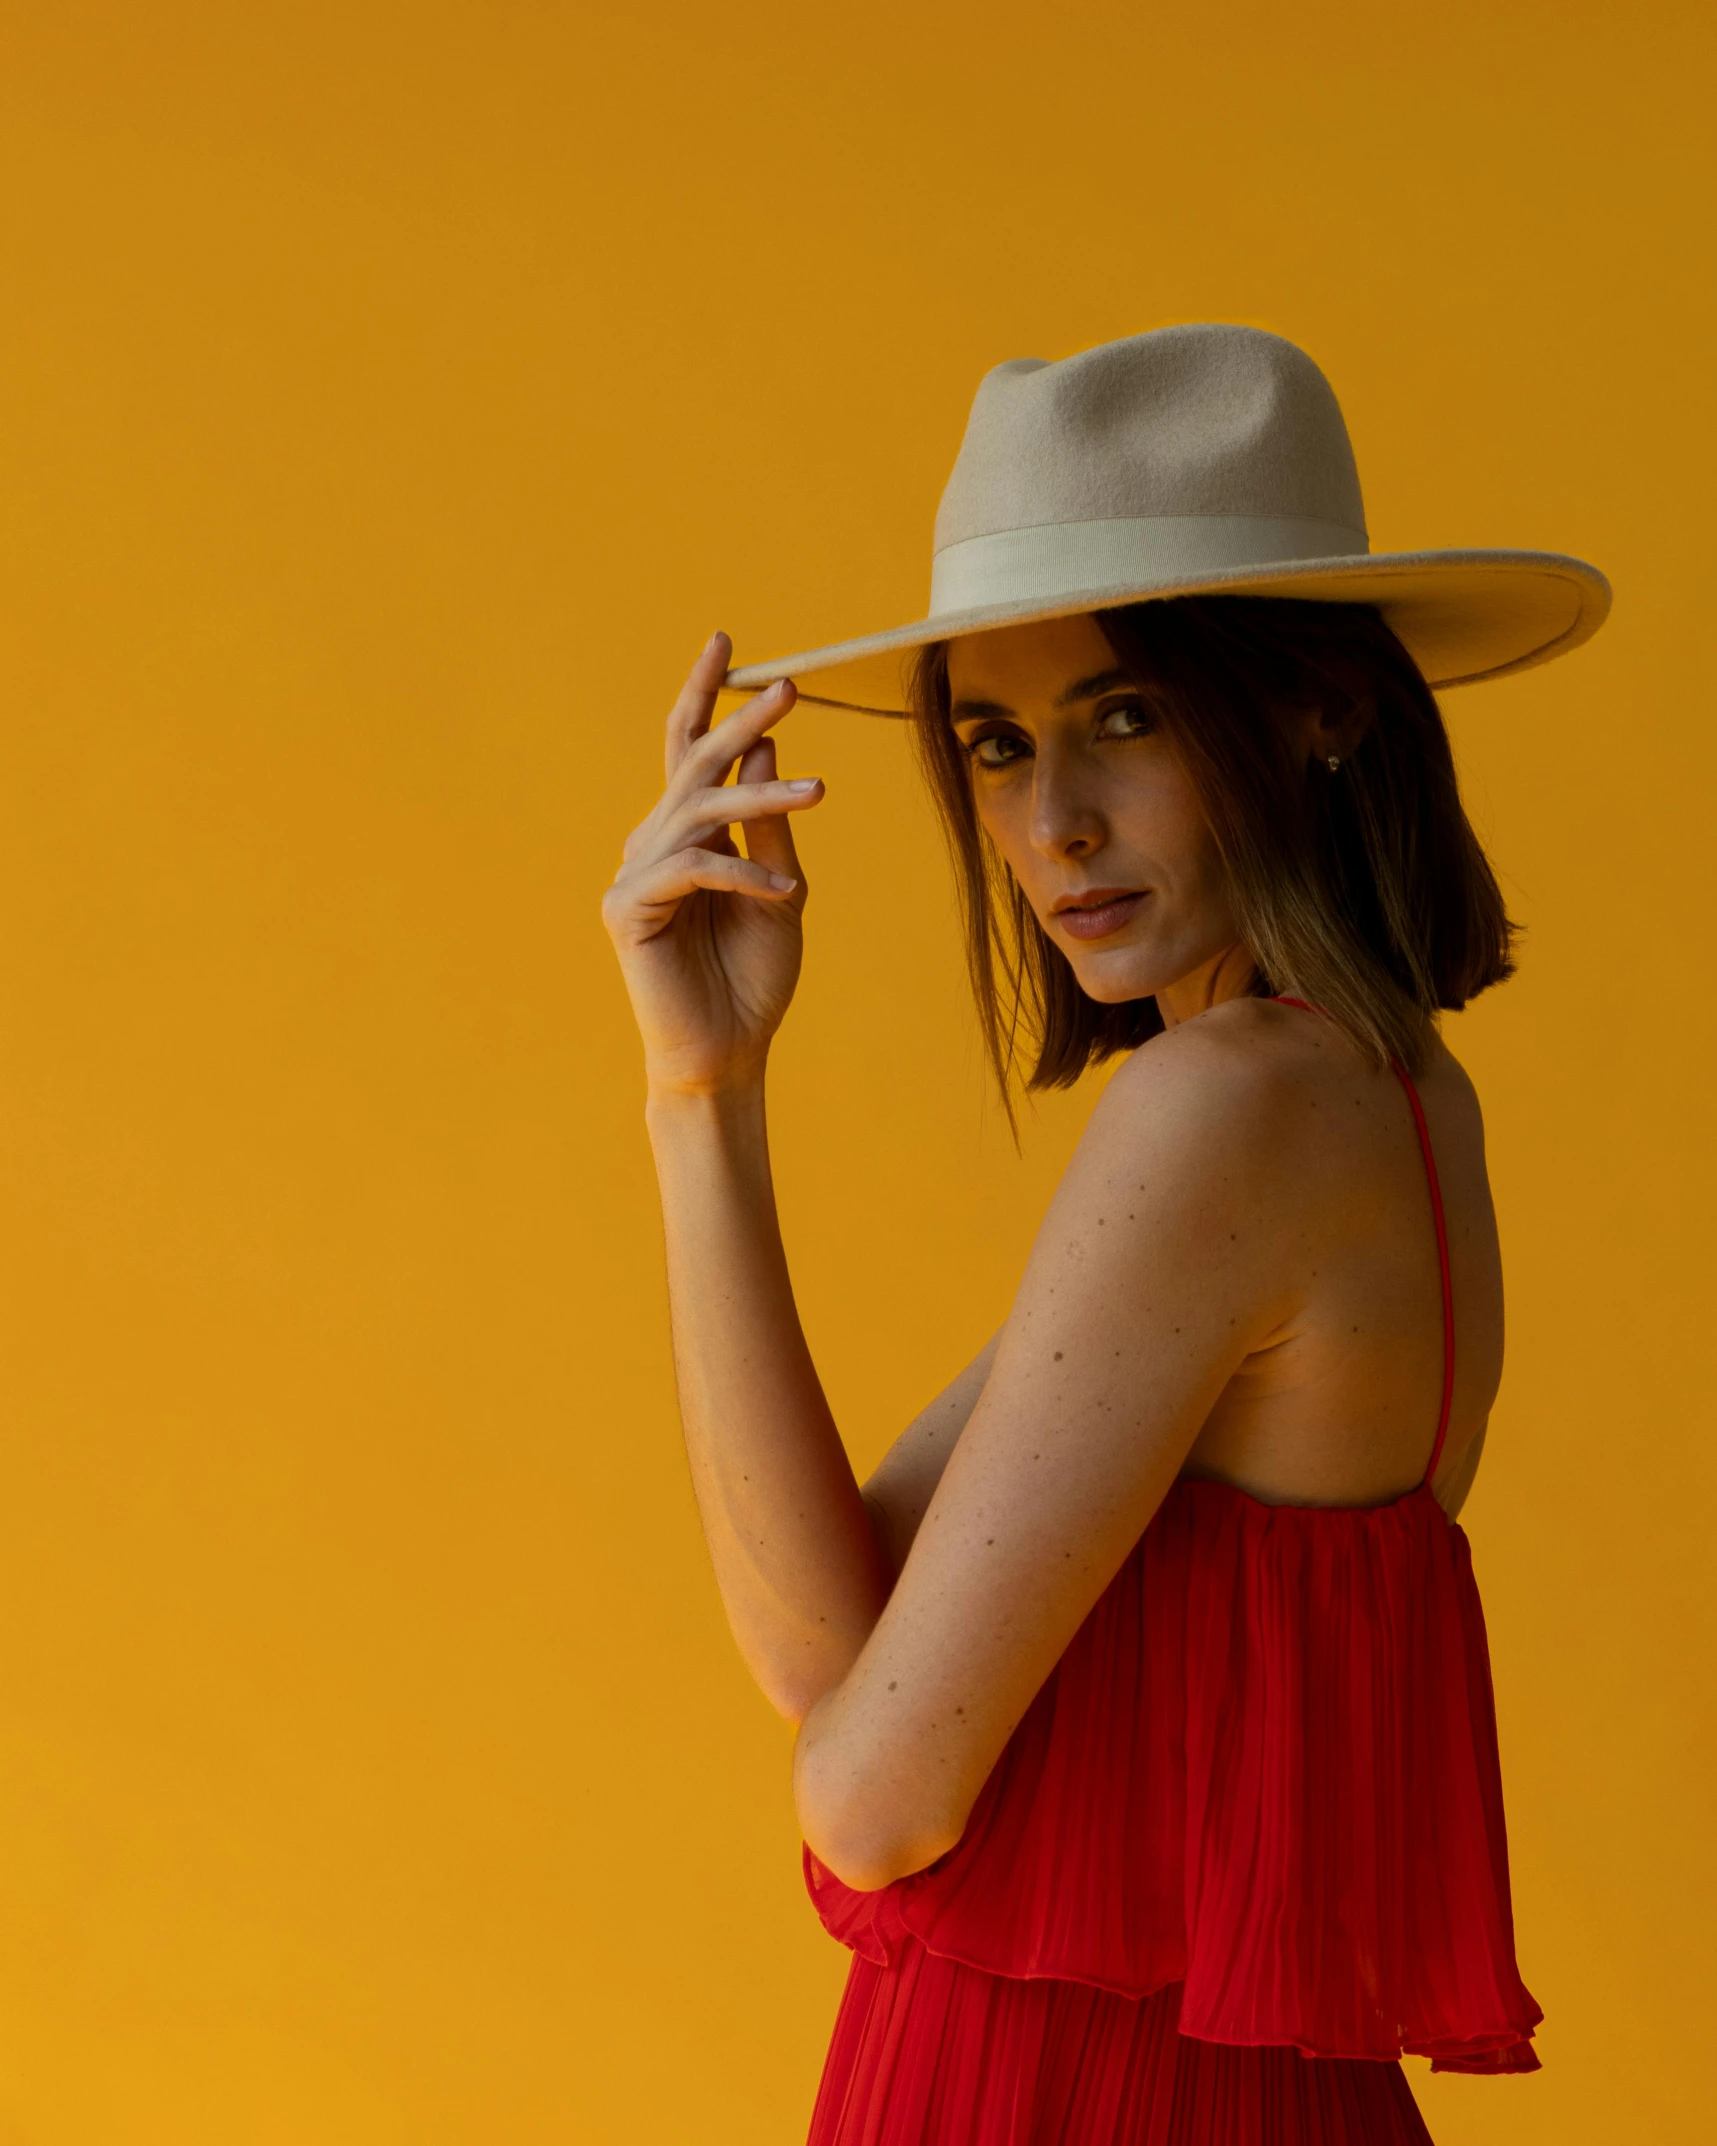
pixel 1244 1850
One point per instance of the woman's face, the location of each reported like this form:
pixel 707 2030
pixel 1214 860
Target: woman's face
pixel 1093 811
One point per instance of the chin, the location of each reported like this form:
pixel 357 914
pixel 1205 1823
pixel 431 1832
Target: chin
pixel 1114 979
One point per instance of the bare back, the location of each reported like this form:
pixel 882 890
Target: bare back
pixel 1340 1407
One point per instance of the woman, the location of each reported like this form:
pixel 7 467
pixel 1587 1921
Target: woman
pixel 1146 1757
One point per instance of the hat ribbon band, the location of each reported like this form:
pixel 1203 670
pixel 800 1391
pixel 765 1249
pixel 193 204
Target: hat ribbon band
pixel 1066 559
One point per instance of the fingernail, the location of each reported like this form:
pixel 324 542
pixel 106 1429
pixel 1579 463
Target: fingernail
pixel 805 782
pixel 786 885
pixel 718 635
pixel 779 687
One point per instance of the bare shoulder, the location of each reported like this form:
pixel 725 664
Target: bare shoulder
pixel 1454 1119
pixel 1228 1083
pixel 1446 1083
pixel 1272 1102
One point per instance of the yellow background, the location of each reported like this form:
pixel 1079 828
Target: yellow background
pixel 392 397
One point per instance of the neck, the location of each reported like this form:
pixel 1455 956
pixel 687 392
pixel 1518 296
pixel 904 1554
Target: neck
pixel 1229 974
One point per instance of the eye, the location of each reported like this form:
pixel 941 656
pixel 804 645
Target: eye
pixel 1127 719
pixel 997 748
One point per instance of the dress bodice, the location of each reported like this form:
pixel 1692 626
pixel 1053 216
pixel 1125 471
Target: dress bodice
pixel 1266 1766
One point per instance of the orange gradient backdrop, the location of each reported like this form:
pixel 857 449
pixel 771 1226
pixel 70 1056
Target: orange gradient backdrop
pixel 392 397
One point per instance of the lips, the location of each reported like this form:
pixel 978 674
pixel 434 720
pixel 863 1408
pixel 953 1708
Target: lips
pixel 1098 914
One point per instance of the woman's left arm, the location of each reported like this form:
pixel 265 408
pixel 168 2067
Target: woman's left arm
pixel 1157 1269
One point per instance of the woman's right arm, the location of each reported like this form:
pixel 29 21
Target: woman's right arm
pixel 709 942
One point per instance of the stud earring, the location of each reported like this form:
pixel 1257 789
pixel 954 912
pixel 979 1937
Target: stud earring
pixel 1334 762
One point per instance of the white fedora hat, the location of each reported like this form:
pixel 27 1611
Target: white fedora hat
pixel 1193 461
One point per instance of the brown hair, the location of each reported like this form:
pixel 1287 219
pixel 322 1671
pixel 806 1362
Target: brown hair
pixel 1365 892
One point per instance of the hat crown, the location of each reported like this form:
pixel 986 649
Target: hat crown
pixel 1195 421
pixel 1194 461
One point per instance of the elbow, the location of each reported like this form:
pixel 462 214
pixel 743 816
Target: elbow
pixel 873 1865
pixel 867 1832
pixel 866 1853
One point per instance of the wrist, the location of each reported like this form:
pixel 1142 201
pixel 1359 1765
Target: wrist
pixel 701 1130
pixel 667 1083
pixel 672 1074
pixel 735 1101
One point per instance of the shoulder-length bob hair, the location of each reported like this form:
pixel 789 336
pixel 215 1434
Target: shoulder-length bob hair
pixel 1363 890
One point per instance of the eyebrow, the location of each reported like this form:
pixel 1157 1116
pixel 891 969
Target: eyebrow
pixel 974 711
pixel 1093 688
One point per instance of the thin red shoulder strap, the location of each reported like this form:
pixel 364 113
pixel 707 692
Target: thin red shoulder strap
pixel 1425 1149
pixel 1406 1079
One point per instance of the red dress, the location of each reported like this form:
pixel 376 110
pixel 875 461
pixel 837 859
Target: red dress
pixel 1245 1849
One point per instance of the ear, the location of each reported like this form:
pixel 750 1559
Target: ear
pixel 1331 729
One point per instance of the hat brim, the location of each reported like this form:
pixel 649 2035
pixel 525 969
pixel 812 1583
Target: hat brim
pixel 1463 616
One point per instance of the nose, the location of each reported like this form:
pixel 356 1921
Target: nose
pixel 1065 819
